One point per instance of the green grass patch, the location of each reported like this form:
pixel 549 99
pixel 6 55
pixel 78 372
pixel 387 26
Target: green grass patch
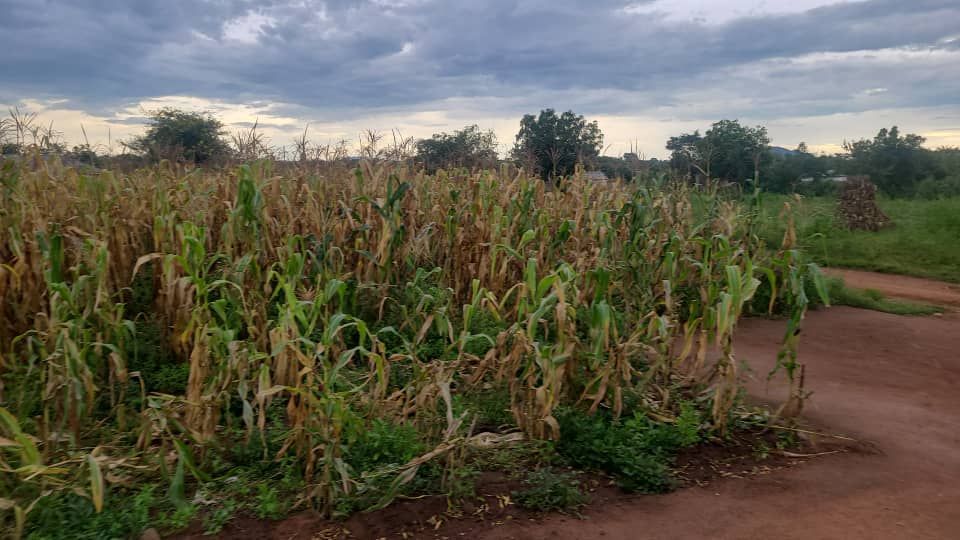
pixel 841 295
pixel 923 241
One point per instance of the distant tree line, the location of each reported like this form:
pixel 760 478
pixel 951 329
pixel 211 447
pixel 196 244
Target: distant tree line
pixel 735 154
pixel 550 145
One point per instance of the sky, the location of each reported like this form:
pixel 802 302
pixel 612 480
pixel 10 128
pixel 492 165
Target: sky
pixel 814 71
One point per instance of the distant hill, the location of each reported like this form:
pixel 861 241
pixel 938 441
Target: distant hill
pixel 780 151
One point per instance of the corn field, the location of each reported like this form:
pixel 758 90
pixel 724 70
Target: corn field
pixel 300 304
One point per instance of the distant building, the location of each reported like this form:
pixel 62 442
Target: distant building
pixel 596 176
pixel 838 179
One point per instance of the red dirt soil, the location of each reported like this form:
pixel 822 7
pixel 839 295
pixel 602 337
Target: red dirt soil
pixel 930 291
pixel 888 381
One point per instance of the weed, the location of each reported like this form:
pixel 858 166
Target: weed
pixel 383 443
pixel 787 440
pixel 216 520
pixel 548 490
pixel 461 483
pixel 68 516
pixel 761 450
pixel 637 451
pixel 179 518
pixel 268 504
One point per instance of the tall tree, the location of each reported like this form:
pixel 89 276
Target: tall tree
pixel 740 151
pixel 895 163
pixel 468 147
pixel 727 151
pixel 553 145
pixel 181 135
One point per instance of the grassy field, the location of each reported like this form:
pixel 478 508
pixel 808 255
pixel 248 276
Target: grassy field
pixel 181 345
pixel 924 240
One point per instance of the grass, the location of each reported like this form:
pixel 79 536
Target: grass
pixel 924 240
pixel 269 338
pixel 549 490
pixel 841 295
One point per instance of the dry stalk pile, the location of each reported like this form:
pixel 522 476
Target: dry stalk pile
pixel 858 205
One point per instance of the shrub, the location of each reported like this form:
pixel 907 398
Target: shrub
pixel 69 516
pixel 636 451
pixel 547 490
pixel 383 443
pixel 943 188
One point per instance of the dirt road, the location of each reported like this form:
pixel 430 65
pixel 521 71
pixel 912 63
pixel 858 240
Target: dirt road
pixel 909 288
pixel 888 380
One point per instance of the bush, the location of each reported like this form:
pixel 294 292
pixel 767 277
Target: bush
pixel 68 515
pixel 636 451
pixel 943 188
pixel 548 490
pixel 383 443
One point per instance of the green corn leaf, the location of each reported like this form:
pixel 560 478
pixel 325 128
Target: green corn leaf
pixel 96 483
pixel 819 283
pixel 177 490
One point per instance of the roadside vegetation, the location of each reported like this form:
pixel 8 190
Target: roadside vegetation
pixel 842 295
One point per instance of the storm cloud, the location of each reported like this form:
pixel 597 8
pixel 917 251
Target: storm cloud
pixel 340 59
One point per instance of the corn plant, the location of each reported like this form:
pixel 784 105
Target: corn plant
pixel 307 301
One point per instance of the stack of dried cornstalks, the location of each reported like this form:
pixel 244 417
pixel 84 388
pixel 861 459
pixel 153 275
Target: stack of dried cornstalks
pixel 858 205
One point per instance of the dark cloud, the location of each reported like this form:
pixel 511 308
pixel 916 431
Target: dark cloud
pixel 338 56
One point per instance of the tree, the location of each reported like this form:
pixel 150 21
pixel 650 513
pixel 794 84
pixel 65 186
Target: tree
pixel 785 172
pixel 727 151
pixel 553 145
pixel 740 151
pixel 689 155
pixel 468 147
pixel 182 136
pixel 615 167
pixel 894 163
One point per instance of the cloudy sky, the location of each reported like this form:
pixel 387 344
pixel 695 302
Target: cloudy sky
pixel 810 70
